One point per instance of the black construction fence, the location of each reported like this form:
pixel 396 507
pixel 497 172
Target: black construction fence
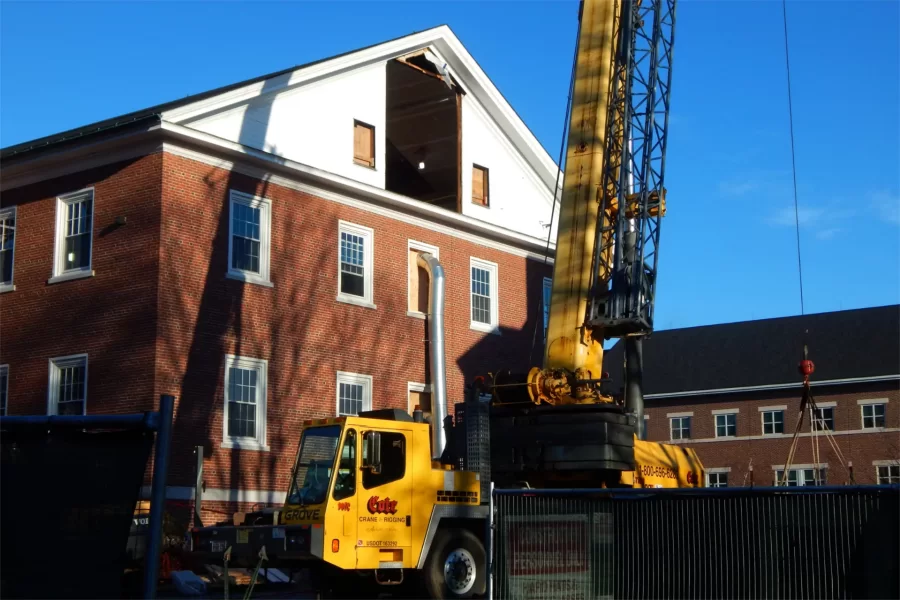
pixel 69 486
pixel 800 542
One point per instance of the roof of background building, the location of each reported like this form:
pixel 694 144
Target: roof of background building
pixel 850 344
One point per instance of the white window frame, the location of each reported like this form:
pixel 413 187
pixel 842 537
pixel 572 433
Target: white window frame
pixel 768 410
pixel 412 386
pixel 814 418
pixel 547 284
pixel 882 464
pixel 59 272
pixel 265 238
pixel 368 236
pixel 718 471
pixel 672 418
pixel 419 247
pixel 10 286
pixel 721 413
pixel 55 365
pixel 354 379
pixel 801 473
pixel 862 415
pixel 261 366
pixel 4 369
pixel 492 269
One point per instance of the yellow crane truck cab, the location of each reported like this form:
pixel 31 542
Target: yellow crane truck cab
pixel 366 496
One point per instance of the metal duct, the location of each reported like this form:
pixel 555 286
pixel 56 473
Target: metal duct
pixel 438 364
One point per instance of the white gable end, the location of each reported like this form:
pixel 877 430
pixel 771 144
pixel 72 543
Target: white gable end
pixel 426 139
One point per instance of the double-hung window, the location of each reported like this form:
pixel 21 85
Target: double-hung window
pixel 74 233
pixel 354 393
pixel 888 474
pixel 67 388
pixel 355 264
pixel 773 422
pixel 823 419
pixel 245 403
pixel 872 415
pixel 680 428
pixel 801 477
pixel 249 238
pixel 726 424
pixel 7 247
pixel 716 478
pixel 483 295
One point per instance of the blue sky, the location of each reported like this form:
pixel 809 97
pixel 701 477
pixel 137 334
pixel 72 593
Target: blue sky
pixel 728 247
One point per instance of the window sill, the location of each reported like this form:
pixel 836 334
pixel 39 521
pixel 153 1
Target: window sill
pixel 365 166
pixel 730 437
pixel 7 287
pixel 244 445
pixel 484 328
pixel 772 435
pixel 416 315
pixel 249 278
pixel 70 276
pixel 356 300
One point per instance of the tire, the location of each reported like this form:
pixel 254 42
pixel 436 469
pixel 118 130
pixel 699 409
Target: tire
pixel 456 565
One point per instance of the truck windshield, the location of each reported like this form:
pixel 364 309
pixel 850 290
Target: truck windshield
pixel 317 450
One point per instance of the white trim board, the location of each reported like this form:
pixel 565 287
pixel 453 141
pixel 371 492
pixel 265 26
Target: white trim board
pixel 174 492
pixel 775 386
pixel 775 436
pixel 386 204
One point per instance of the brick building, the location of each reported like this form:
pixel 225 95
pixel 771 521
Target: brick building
pixel 732 392
pixel 251 250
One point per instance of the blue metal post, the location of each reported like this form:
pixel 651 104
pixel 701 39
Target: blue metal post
pixel 158 494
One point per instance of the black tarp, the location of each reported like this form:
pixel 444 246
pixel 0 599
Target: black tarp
pixel 67 498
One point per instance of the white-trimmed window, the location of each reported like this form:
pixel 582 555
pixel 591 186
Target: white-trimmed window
pixel 726 424
pixel 823 419
pixel 680 428
pixel 802 476
pixel 872 415
pixel 419 395
pixel 483 299
pixel 355 264
pixel 887 474
pixel 417 285
pixel 354 393
pixel 67 389
pixel 245 403
pixel 715 478
pixel 7 247
pixel 772 422
pixel 4 389
pixel 249 235
pixel 545 303
pixel 74 235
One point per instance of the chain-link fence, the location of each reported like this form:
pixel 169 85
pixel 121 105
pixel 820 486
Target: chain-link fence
pixel 698 543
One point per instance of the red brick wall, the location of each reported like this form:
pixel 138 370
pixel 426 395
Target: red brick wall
pixel 859 447
pixel 298 326
pixel 111 316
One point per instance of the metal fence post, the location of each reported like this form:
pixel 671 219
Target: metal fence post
pixel 490 545
pixel 158 494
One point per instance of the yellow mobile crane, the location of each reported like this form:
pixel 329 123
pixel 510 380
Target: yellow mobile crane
pixel 387 494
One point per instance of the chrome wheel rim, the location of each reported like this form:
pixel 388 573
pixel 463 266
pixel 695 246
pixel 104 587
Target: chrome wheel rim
pixel 459 571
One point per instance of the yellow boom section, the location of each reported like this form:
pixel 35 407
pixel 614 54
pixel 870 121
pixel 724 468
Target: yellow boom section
pixel 572 346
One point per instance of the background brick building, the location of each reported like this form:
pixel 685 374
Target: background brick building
pixel 185 250
pixel 732 392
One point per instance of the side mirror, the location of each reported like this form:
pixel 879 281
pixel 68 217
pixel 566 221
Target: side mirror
pixel 372 459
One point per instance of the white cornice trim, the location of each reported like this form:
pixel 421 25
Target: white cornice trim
pixel 346 191
pixel 777 386
pixel 776 436
pixel 42 166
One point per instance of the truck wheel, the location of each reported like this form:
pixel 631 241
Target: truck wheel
pixel 456 565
